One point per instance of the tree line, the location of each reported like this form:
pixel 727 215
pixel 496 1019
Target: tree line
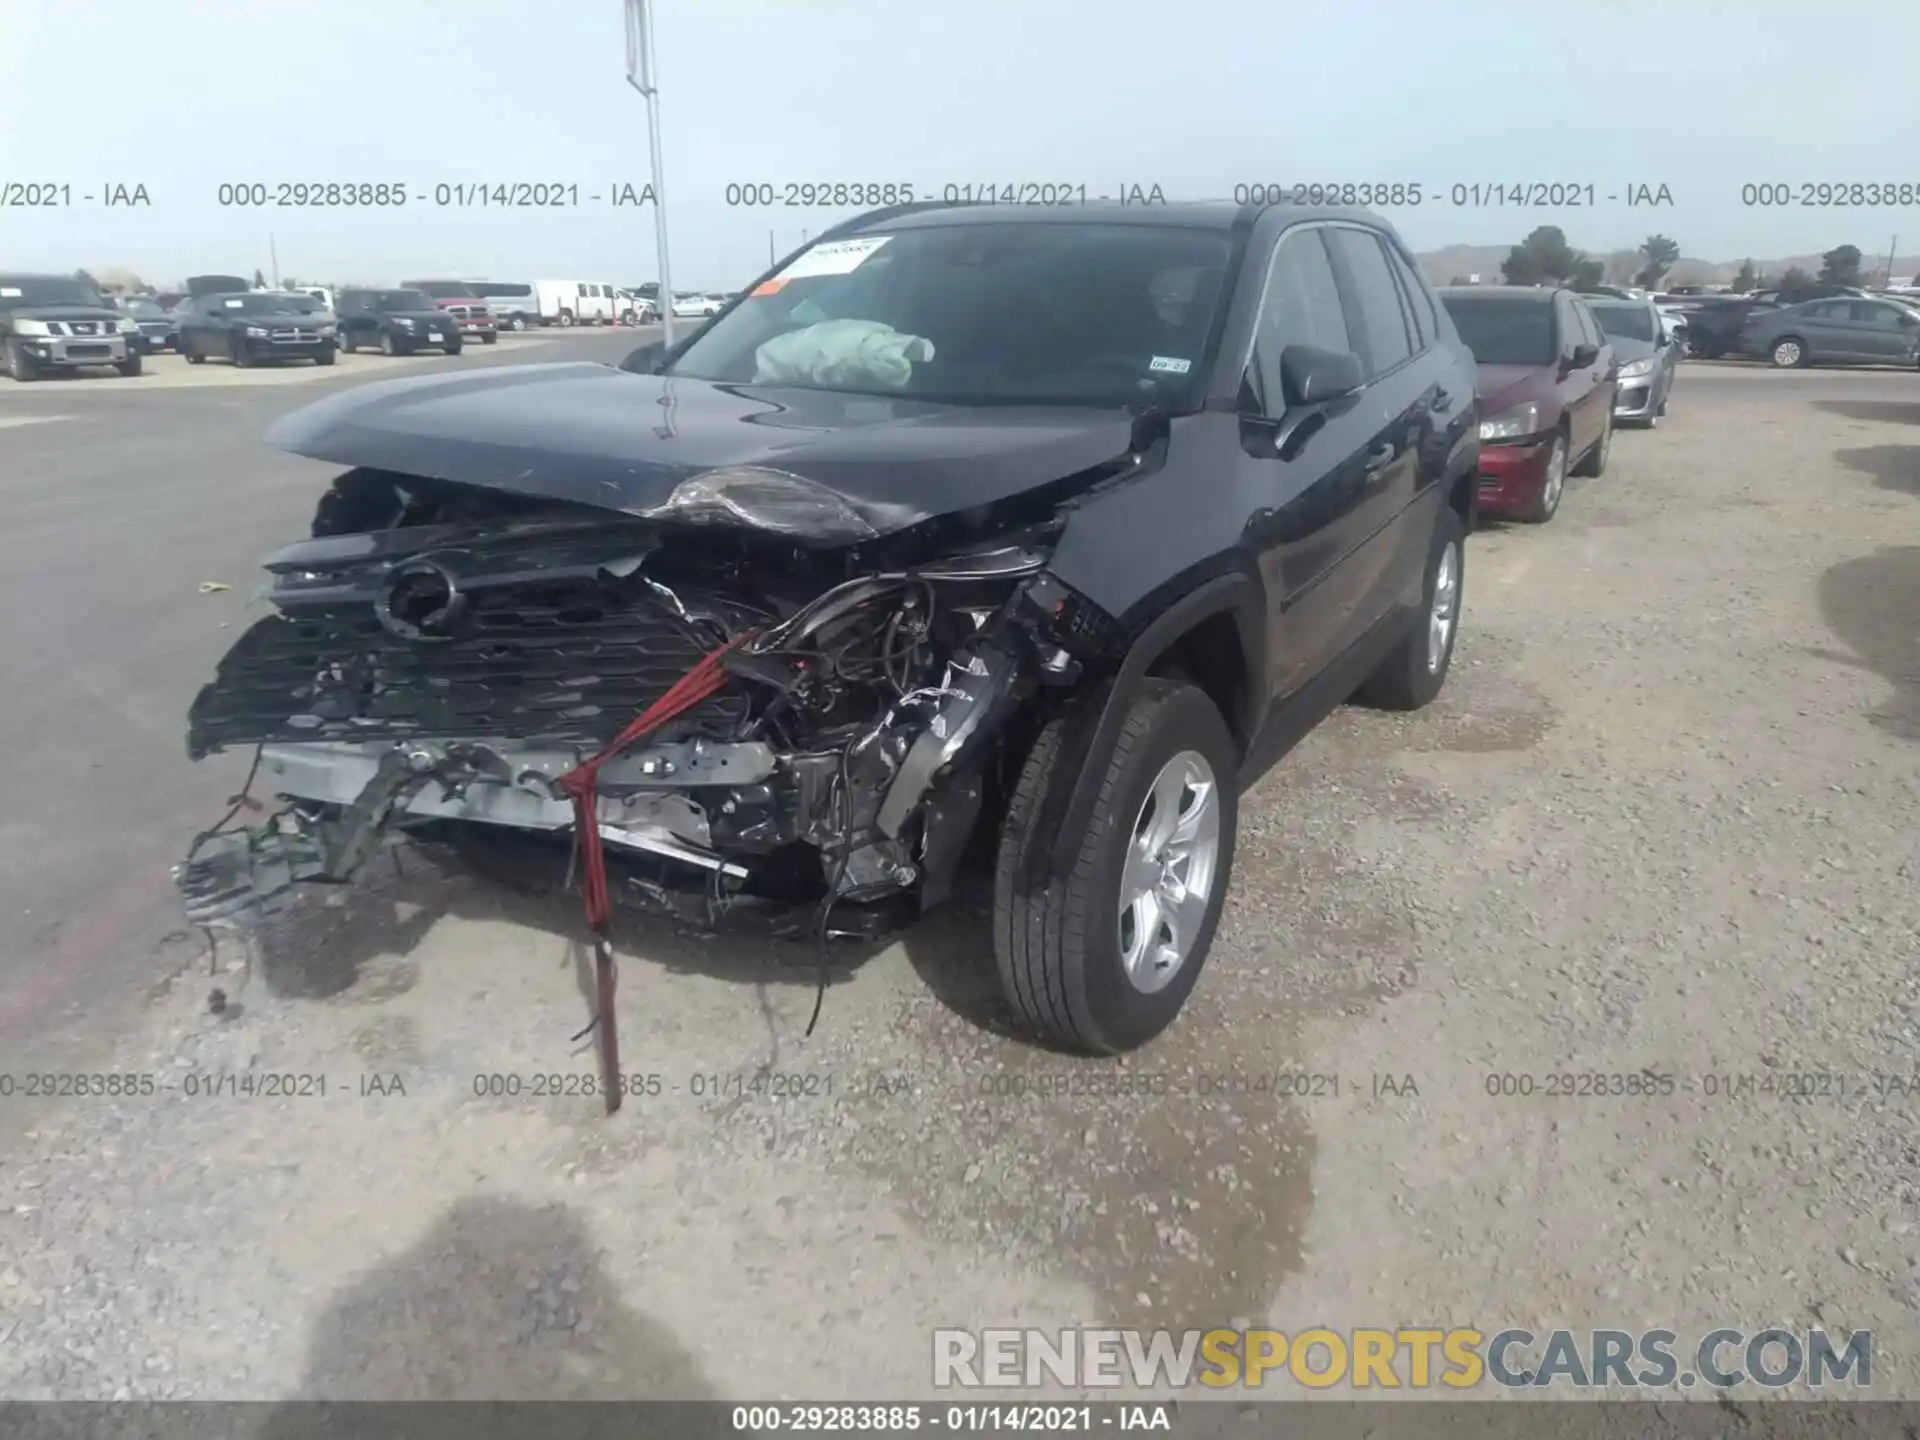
pixel 1545 257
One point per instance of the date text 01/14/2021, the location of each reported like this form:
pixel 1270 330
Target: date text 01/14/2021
pixel 1478 195
pixel 872 194
pixel 444 194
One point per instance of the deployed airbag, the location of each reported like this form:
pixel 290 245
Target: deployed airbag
pixel 842 352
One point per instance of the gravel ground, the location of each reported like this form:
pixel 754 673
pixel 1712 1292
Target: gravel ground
pixel 1662 819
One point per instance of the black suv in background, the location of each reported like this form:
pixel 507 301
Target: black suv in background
pixel 254 328
pixel 57 322
pixel 396 322
pixel 1104 511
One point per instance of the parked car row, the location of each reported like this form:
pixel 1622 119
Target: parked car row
pixel 1820 324
pixel 1557 372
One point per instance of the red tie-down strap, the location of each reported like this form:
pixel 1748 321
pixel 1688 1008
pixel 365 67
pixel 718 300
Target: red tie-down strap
pixel 582 785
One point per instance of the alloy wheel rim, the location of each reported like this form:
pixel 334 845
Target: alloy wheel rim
pixel 1444 610
pixel 1787 353
pixel 1166 881
pixel 1556 474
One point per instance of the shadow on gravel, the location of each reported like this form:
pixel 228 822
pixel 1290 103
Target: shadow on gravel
pixel 1893 467
pixel 1870 603
pixel 499 1301
pixel 1892 412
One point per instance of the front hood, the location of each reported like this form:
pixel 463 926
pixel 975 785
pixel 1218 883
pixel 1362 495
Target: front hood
pixel 1504 386
pixel 428 317
pixel 64 312
pixel 594 435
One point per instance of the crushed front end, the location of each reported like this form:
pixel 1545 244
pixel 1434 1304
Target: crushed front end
pixel 441 658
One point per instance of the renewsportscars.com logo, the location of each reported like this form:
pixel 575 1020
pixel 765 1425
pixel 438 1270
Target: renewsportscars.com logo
pixel 1416 1359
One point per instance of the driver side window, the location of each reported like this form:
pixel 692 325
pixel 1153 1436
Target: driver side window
pixel 1301 306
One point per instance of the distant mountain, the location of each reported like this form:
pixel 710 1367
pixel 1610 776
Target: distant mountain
pixel 1443 265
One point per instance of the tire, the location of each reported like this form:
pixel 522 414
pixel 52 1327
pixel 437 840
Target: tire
pixel 237 352
pixel 566 319
pixel 325 357
pixel 519 322
pixel 389 345
pixel 193 354
pixel 347 344
pixel 1789 352
pixel 489 339
pixel 1594 462
pixel 20 365
pixel 1415 671
pixel 1058 935
pixel 129 367
pixel 1547 504
pixel 452 347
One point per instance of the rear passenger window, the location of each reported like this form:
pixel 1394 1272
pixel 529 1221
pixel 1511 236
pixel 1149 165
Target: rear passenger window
pixel 1382 322
pixel 1589 326
pixel 1301 307
pixel 1419 307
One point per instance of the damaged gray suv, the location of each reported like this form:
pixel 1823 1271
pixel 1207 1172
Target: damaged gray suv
pixel 1025 535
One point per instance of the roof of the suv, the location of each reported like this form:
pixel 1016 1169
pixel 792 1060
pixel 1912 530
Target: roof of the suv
pixel 1187 214
pixel 1542 293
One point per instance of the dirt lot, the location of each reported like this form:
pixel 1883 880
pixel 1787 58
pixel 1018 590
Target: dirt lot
pixel 1663 819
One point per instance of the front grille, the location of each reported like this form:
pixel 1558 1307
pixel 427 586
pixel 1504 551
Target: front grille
pixel 540 662
pixel 82 352
pixel 294 333
pixel 83 327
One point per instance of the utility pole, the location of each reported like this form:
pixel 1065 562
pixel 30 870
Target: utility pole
pixel 1892 250
pixel 770 254
pixel 640 75
pixel 273 258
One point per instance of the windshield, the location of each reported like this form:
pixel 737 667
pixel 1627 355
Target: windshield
pixel 254 304
pixel 1622 321
pixel 446 289
pixel 143 307
pixel 16 290
pixel 1504 332
pixel 403 300
pixel 1065 313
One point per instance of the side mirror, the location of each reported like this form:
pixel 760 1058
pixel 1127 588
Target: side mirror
pixel 1583 356
pixel 646 359
pixel 1310 375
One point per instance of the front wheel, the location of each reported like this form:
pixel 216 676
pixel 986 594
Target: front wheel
pixel 566 318
pixel 237 351
pixel 489 339
pixel 128 367
pixel 1552 485
pixel 325 357
pixel 1100 956
pixel 452 347
pixel 346 343
pixel 1415 670
pixel 389 345
pixel 1789 352
pixel 22 366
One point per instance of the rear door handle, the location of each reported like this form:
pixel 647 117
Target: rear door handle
pixel 1442 401
pixel 1380 457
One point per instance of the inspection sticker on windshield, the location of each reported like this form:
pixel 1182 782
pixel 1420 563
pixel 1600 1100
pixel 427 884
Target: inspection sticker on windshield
pixel 235 304
pixel 1168 365
pixel 835 257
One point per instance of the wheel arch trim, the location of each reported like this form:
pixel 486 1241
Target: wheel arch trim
pixel 1235 594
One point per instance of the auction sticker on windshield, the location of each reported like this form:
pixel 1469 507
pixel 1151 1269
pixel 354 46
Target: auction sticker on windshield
pixel 834 257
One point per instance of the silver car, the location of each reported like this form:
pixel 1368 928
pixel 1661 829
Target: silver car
pixel 1647 356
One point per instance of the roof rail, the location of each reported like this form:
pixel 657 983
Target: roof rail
pixel 887 212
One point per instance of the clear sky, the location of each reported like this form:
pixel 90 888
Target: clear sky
pixel 182 96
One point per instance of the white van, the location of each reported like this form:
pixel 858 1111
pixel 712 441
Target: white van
pixel 512 303
pixel 576 302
